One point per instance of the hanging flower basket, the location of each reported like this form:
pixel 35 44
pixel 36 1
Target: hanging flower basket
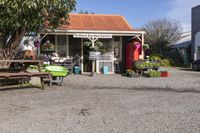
pixel 48 47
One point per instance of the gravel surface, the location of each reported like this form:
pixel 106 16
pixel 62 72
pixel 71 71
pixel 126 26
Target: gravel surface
pixel 106 104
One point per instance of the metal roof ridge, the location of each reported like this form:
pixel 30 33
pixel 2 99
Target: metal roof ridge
pixel 96 14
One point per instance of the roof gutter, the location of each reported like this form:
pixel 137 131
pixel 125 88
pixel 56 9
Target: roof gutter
pixel 70 32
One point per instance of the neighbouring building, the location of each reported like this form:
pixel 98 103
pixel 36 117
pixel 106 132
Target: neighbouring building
pixel 183 45
pixel 112 30
pixel 196 32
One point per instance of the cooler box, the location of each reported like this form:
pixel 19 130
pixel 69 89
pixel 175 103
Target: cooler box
pixel 105 69
pixel 77 70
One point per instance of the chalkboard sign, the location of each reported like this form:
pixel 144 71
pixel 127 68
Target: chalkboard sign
pixel 94 55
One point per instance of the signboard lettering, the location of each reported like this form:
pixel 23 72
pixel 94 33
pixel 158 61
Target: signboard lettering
pixel 92 35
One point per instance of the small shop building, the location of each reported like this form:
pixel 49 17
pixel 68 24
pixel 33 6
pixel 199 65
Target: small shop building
pixel 113 31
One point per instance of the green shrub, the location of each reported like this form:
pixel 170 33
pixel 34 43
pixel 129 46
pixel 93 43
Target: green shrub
pixel 161 61
pixel 176 58
pixel 155 57
pixel 165 62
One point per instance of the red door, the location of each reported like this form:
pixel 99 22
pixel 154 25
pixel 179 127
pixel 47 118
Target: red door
pixel 137 51
pixel 133 51
pixel 129 55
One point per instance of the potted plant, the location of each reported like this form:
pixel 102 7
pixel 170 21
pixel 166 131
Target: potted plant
pixel 96 48
pixel 148 65
pixel 156 66
pixel 130 73
pixel 138 65
pixel 48 46
pixel 143 65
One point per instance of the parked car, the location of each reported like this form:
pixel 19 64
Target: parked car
pixel 196 65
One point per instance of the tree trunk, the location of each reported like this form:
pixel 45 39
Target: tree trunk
pixel 6 54
pixel 10 52
pixel 1 40
pixel 17 39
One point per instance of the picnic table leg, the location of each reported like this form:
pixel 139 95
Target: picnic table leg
pixel 42 83
pixel 41 79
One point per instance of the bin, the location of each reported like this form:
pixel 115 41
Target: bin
pixel 105 69
pixel 77 70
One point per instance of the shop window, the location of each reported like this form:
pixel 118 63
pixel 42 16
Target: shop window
pixel 74 46
pixel 107 45
pixel 62 45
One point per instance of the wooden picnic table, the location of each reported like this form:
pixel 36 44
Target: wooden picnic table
pixel 23 73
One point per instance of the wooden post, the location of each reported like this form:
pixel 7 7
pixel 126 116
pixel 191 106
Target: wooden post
pixel 142 46
pixel 93 61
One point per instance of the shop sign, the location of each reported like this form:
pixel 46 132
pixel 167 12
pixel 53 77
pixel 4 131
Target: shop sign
pixel 92 35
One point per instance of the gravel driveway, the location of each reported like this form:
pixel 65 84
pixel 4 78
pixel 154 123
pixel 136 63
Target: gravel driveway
pixel 106 104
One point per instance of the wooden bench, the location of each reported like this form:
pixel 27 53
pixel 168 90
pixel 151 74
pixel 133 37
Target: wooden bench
pixel 24 75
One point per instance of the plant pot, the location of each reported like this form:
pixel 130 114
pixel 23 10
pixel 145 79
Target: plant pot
pixel 164 74
pixel 128 75
pixel 156 68
pixel 148 68
pixel 131 75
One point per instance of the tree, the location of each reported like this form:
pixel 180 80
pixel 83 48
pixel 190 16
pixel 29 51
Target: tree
pixel 18 17
pixel 85 12
pixel 160 34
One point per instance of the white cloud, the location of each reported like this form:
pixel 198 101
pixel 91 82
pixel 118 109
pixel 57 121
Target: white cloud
pixel 181 11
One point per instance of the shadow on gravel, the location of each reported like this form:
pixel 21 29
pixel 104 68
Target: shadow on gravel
pixel 8 88
pixel 167 89
pixel 187 69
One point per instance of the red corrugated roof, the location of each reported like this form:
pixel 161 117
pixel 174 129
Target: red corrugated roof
pixel 97 22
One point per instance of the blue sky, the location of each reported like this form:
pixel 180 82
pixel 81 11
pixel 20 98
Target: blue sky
pixel 139 12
